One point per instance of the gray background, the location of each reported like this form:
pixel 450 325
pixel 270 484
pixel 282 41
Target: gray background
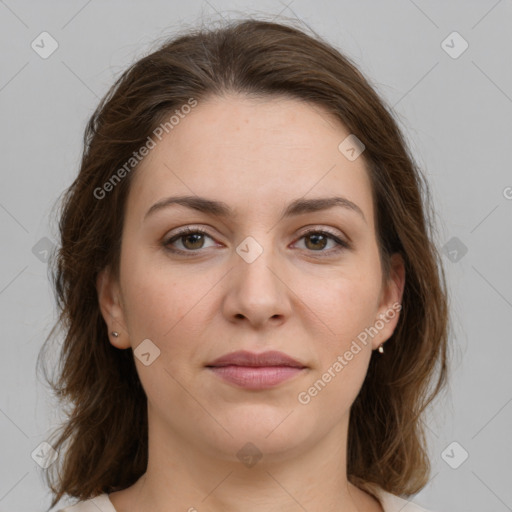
pixel 455 113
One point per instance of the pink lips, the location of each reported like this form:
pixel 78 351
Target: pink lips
pixel 255 371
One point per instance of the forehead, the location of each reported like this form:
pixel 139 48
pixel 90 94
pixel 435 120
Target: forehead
pixel 250 151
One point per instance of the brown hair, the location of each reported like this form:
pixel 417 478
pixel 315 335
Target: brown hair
pixel 104 440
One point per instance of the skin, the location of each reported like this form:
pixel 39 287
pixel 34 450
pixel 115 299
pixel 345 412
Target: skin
pixel 256 155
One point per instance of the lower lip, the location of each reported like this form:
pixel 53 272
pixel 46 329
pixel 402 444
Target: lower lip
pixel 255 377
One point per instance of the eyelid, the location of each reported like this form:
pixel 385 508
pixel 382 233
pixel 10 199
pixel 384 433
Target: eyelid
pixel 341 241
pixel 182 232
pixel 325 229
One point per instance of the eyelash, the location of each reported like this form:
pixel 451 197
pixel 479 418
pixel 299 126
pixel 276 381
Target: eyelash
pixel 342 245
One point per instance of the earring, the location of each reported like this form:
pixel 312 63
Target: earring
pixel 115 334
pixel 381 348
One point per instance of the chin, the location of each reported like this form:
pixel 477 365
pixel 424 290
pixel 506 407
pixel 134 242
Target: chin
pixel 272 430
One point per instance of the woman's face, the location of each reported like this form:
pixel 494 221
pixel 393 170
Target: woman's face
pixel 254 281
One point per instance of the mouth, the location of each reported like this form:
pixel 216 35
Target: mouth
pixel 256 371
pixel 251 359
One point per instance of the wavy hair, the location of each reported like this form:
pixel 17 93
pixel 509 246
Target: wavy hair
pixel 103 441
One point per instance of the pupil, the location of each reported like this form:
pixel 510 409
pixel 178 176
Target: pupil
pixel 313 237
pixel 198 240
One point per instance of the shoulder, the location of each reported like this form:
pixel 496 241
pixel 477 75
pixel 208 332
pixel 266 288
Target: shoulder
pixel 99 503
pixel 392 503
pixel 389 502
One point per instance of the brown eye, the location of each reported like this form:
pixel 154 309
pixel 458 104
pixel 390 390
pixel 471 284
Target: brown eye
pixel 316 241
pixel 191 239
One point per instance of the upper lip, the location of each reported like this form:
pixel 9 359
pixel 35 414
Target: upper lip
pixel 245 358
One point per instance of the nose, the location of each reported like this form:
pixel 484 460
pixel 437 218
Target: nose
pixel 257 292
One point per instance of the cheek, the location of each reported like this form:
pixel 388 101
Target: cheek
pixel 159 309
pixel 348 306
pixel 170 307
pixel 150 306
pixel 153 300
pixel 155 294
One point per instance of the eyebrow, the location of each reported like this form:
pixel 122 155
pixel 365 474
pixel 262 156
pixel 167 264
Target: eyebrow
pixel 221 209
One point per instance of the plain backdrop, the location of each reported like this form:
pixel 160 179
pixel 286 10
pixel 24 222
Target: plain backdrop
pixel 445 70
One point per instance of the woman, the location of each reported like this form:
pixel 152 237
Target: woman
pixel 249 222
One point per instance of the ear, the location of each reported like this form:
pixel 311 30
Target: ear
pixel 390 301
pixel 109 298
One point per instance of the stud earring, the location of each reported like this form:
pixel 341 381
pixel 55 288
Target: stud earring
pixel 381 348
pixel 115 334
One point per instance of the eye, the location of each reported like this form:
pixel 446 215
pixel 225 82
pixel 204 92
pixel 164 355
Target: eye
pixel 316 240
pixel 191 239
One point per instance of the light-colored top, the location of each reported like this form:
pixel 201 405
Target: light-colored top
pixel 389 502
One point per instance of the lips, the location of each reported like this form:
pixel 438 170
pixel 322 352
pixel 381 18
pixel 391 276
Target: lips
pixel 256 371
pixel 249 359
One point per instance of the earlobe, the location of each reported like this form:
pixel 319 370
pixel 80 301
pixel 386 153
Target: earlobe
pixel 111 309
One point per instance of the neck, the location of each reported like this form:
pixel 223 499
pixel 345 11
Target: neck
pixel 184 476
